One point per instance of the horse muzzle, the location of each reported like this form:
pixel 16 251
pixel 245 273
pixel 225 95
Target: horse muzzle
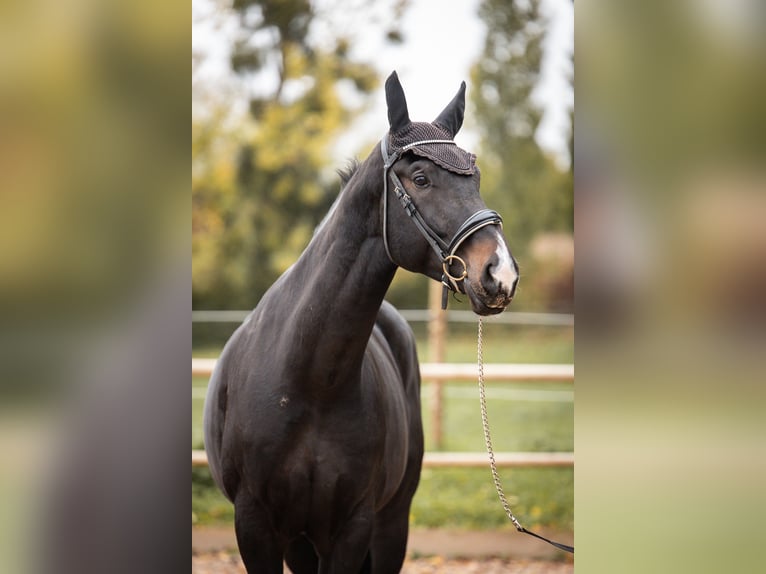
pixel 492 276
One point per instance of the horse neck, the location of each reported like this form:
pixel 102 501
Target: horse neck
pixel 339 282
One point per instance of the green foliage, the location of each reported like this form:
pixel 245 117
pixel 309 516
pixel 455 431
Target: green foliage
pixel 518 178
pixel 262 179
pixel 261 182
pixel 215 197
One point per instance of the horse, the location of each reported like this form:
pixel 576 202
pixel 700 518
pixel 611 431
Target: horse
pixel 312 419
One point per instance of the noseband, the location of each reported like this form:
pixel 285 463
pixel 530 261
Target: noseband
pixel 445 251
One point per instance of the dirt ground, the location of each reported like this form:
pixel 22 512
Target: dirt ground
pixel 430 552
pixel 228 563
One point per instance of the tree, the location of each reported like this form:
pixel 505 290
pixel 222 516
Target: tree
pixel 279 185
pixel 518 178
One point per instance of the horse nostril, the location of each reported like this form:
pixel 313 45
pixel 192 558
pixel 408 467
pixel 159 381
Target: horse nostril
pixel 488 276
pixel 488 279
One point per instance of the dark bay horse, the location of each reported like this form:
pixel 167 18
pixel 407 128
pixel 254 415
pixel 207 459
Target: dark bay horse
pixel 312 417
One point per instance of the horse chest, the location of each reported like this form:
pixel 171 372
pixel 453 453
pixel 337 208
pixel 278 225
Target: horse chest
pixel 330 448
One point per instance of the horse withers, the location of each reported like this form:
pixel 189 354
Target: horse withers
pixel 312 418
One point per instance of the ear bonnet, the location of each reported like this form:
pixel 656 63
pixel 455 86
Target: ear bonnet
pixel 432 141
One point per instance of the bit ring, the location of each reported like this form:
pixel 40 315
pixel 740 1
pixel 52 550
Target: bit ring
pixel 446 264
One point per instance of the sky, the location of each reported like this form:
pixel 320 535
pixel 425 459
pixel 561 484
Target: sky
pixel 440 46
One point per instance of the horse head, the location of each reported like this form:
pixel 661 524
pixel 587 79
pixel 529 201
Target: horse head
pixel 445 230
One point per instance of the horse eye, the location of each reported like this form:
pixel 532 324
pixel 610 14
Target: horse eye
pixel 420 180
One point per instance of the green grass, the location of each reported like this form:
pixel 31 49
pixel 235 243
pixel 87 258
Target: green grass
pixel 209 506
pixel 504 344
pixel 516 425
pixel 466 498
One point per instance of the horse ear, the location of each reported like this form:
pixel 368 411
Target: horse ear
pixel 451 117
pixel 398 117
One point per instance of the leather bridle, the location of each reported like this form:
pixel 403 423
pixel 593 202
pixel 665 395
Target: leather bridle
pixel 445 251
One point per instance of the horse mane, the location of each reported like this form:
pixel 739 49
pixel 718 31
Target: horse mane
pixel 346 173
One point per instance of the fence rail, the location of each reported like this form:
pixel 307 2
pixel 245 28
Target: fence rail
pixel 460 371
pixel 418 316
pixel 467 459
pixel 437 374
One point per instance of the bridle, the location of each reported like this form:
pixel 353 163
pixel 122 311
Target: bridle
pixel 445 251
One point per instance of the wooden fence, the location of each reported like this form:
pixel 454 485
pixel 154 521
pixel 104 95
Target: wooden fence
pixel 459 371
pixel 437 374
pixel 468 459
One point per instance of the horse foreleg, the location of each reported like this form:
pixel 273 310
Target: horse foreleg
pixel 389 543
pixel 301 556
pixel 351 546
pixel 259 545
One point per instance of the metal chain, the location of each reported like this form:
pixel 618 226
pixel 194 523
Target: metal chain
pixel 488 438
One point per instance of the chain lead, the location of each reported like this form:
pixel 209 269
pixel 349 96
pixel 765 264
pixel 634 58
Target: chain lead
pixel 491 453
pixel 488 438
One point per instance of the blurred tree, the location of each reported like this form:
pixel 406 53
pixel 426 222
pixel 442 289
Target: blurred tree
pixel 518 178
pixel 215 141
pixel 265 189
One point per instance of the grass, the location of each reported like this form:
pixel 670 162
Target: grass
pixel 466 498
pixel 209 506
pixel 516 425
pixel 458 497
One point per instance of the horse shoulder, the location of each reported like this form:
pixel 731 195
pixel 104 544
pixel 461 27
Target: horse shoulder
pixel 391 368
pixel 401 340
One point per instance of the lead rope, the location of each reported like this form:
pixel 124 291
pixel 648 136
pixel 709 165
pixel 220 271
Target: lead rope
pixel 488 438
pixel 491 452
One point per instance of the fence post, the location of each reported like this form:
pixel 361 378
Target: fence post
pixel 437 326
